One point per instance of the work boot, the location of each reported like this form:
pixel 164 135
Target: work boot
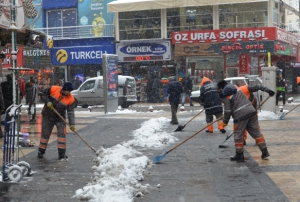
pixel 239 157
pixel 264 153
pixel 40 155
pixel 191 105
pixel 208 131
pixel 245 143
pixel 182 104
pixel 62 156
pixel 223 131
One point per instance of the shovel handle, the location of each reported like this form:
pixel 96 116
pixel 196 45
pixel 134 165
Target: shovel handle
pixel 193 117
pixel 261 104
pixel 291 110
pixel 74 130
pixel 194 134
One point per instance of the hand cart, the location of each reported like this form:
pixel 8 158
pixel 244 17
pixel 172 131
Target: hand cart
pixel 10 170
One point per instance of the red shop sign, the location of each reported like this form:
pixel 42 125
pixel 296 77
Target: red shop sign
pixel 244 61
pixel 234 35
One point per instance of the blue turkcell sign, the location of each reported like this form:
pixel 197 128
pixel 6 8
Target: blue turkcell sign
pixel 79 52
pixel 80 55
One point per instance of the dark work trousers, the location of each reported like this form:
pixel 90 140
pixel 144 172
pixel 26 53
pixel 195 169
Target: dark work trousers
pixel 278 95
pixel 251 125
pixel 174 108
pixel 34 113
pixel 47 127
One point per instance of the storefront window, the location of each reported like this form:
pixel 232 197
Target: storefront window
pixel 140 24
pixel 189 18
pixel 242 15
pixel 210 67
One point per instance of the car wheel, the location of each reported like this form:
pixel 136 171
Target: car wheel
pixel 125 105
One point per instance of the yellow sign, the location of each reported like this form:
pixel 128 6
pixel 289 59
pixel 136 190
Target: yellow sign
pixel 61 56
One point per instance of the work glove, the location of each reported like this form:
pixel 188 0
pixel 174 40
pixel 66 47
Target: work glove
pixel 50 105
pixel 224 124
pixel 72 128
pixel 271 93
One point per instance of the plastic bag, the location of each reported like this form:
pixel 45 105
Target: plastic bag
pixel 32 109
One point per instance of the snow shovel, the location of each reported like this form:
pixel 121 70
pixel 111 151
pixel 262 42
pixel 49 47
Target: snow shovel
pixel 283 114
pixel 180 127
pixel 74 130
pixel 158 158
pixel 228 136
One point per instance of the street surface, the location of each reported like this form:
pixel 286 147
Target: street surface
pixel 196 171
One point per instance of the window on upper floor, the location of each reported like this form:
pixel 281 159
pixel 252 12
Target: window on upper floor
pixel 189 18
pixel 242 15
pixel 290 25
pixel 291 2
pixel 140 24
pixel 60 22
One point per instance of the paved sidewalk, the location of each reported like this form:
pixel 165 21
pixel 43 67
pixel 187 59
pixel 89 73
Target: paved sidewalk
pixel 196 171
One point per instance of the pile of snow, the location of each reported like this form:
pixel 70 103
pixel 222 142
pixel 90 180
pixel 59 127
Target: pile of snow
pixel 267 115
pixel 118 170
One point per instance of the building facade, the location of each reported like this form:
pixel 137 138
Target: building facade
pixel 215 39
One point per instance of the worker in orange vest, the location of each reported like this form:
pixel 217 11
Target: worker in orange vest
pixel 248 91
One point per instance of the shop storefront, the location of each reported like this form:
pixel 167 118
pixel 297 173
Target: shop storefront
pixel 81 57
pixel 145 60
pixel 233 52
pixel 39 61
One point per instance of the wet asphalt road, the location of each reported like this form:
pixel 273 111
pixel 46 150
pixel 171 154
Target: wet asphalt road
pixel 196 171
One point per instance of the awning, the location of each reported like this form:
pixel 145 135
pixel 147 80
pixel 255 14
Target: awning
pixel 138 5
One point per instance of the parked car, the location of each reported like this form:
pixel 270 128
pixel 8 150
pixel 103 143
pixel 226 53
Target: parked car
pixel 91 92
pixel 238 81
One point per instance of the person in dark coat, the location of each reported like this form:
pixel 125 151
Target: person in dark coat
pixel 174 91
pixel 149 89
pixel 60 99
pixel 7 91
pixel 238 106
pixel 211 101
pixel 155 89
pixel 187 84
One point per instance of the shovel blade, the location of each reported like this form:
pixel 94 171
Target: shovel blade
pixel 158 158
pixel 179 128
pixel 282 116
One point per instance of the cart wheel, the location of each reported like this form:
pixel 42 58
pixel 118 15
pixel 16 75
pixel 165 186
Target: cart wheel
pixel 25 166
pixel 15 173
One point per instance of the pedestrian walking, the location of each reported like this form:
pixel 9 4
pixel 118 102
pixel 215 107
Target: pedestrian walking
pixel 248 91
pixel 149 89
pixel 187 85
pixel 210 99
pixel 21 84
pixel 61 99
pixel 155 89
pixel 280 87
pixel 237 106
pixel 174 91
pixel 77 82
pixel 7 91
pixel 28 91
pixel 33 101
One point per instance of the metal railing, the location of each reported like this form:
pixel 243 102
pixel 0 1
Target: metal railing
pixel 74 32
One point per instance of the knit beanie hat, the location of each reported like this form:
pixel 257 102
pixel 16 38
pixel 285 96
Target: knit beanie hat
pixel 68 86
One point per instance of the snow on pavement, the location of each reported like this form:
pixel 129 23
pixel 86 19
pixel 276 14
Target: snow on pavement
pixel 118 171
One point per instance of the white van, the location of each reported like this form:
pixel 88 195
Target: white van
pixel 91 92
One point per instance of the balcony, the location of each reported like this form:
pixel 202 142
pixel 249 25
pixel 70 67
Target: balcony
pixel 76 32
